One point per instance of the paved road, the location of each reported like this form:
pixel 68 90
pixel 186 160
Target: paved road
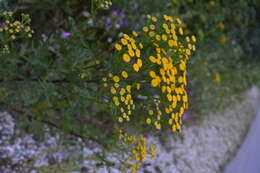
pixel 247 159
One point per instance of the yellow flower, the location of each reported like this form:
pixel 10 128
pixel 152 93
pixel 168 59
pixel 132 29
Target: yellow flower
pixel 169 97
pixel 117 85
pixel 113 90
pixel 128 88
pixel 172 43
pixel 193 38
pixel 110 75
pixel 120 119
pixel 165 26
pixel 152 27
pixel 148 120
pixel 126 36
pixel 152 59
pixel 136 67
pixel 131 52
pixel 123 41
pixel 133 45
pixel 187 51
pixel 164 37
pixel 139 63
pixel 151 34
pixel 174 37
pixel 116 79
pixel 172 26
pixel 135 33
pixel 13 37
pixel 157 37
pixel 118 47
pixel 184 98
pixel 145 29
pixel 154 19
pixel 187 39
pixel 155 82
pixel 174 128
pixel 122 91
pixel 152 74
pixel 193 47
pixel 126 57
pixel 180 31
pixel 140 45
pixel 158 126
pixel 124 74
pixel 178 21
pixel 217 77
pixel 137 52
pixel 150 112
pixel 138 86
pixel 122 98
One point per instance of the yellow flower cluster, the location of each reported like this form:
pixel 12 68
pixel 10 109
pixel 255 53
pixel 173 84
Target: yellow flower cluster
pixel 132 51
pixel 139 150
pixel 165 68
pixel 14 29
pixel 152 66
pixel 121 95
pixel 106 4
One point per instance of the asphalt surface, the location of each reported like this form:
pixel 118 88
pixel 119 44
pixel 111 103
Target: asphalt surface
pixel 247 159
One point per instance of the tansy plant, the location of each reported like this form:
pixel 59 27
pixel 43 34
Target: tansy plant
pixel 11 29
pixel 149 80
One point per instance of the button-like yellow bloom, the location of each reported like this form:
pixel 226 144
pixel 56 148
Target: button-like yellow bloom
pixel 123 41
pixel 138 86
pixel 137 53
pixel 152 27
pixel 113 90
pixel 152 74
pixel 152 59
pixel 135 33
pixel 124 74
pixel 180 31
pixel 116 79
pixel 151 34
pixel 118 47
pixel 154 19
pixel 178 20
pixel 172 43
pixel 148 120
pixel 126 57
pixel 128 88
pixel 131 52
pixel 139 62
pixel 145 29
pixel 154 82
pixel 122 91
pixel 164 37
pixel 136 67
pixel 193 38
